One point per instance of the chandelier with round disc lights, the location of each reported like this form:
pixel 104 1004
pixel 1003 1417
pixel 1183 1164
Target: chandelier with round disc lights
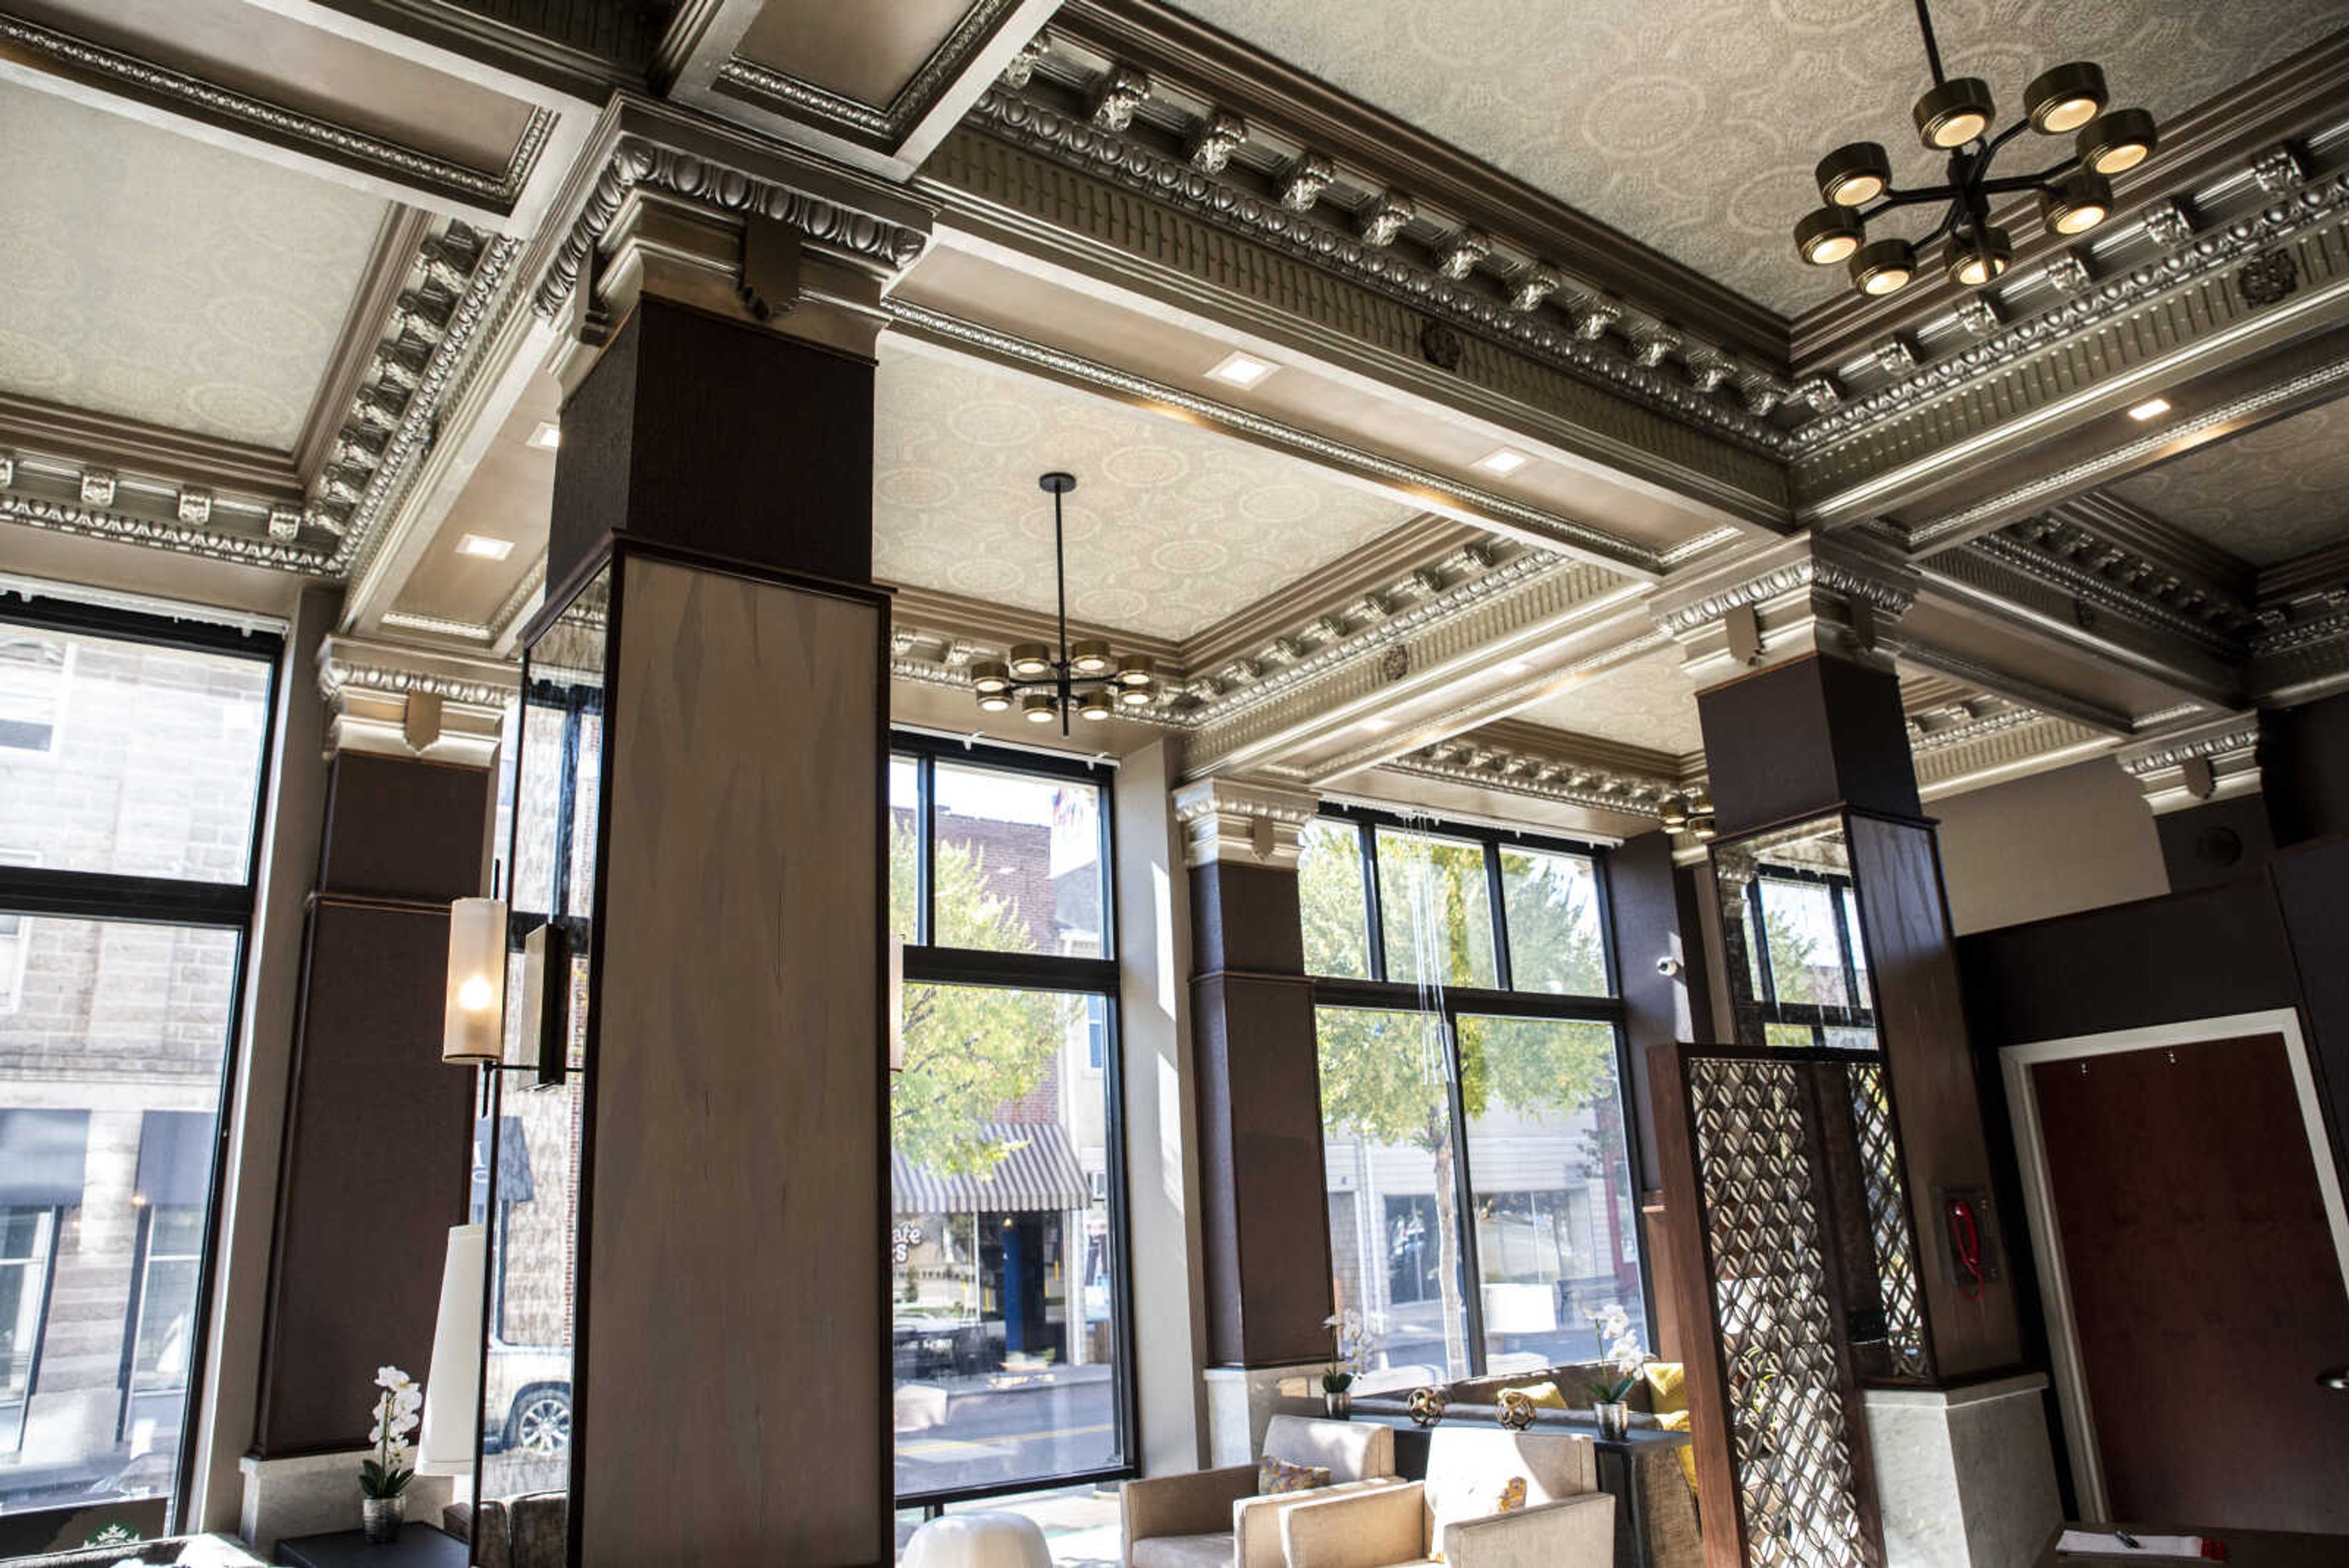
pixel 1955 117
pixel 1086 678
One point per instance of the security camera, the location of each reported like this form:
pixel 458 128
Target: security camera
pixel 1670 967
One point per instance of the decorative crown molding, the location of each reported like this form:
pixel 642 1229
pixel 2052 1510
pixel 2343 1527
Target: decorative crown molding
pixel 1243 822
pixel 2217 760
pixel 1518 760
pixel 393 699
pixel 878 123
pixel 497 190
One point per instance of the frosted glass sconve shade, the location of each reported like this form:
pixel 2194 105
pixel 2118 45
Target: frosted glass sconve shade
pixel 474 1023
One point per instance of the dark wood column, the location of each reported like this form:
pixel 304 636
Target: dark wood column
pixel 731 1370
pixel 1265 1220
pixel 375 1163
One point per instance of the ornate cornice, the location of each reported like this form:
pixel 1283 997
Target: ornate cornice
pixel 632 160
pixel 875 122
pixel 1839 592
pixel 73 516
pixel 2236 732
pixel 2217 760
pixel 2018 742
pixel 1241 822
pixel 1555 772
pixel 394 700
pixel 497 190
pixel 1571 328
pixel 1547 527
pixel 2074 557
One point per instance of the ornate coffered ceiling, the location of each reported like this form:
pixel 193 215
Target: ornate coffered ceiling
pixel 2267 495
pixel 1170 529
pixel 154 277
pixel 1693 124
pixel 1645 701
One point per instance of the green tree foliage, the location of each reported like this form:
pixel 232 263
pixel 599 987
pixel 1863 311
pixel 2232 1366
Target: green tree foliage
pixel 1382 1074
pixel 971 1050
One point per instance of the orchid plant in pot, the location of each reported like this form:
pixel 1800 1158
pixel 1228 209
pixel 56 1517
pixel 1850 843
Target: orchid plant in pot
pixel 386 1472
pixel 1353 1342
pixel 1609 1398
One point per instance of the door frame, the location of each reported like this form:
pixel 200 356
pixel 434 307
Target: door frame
pixel 2016 1063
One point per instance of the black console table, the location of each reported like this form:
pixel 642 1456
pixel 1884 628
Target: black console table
pixel 419 1546
pixel 1614 1457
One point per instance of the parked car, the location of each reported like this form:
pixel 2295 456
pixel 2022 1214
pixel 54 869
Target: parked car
pixel 530 1384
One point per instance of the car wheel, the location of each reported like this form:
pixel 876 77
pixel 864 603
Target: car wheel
pixel 540 1422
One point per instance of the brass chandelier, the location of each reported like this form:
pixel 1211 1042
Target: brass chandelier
pixel 1087 676
pixel 1955 117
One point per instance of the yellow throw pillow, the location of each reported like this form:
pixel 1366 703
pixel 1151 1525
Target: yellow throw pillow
pixel 1274 1476
pixel 1667 1387
pixel 1544 1395
pixel 1678 1422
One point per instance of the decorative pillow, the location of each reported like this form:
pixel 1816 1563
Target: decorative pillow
pixel 1276 1476
pixel 1473 1499
pixel 1678 1422
pixel 1545 1394
pixel 1667 1387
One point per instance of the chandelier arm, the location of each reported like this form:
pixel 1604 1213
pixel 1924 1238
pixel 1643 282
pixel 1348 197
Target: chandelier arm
pixel 1914 198
pixel 1989 149
pixel 1948 221
pixel 2013 182
pixel 1061 581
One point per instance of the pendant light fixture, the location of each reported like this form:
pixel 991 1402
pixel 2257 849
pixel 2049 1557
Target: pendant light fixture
pixel 1087 678
pixel 1955 117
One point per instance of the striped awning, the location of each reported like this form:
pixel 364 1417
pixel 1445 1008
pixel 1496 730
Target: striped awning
pixel 1039 1171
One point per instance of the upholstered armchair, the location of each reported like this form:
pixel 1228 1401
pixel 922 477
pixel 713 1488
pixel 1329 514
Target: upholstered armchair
pixel 1213 1519
pixel 1554 1515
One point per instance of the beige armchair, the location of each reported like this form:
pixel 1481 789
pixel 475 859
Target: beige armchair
pixel 1566 1523
pixel 1213 1519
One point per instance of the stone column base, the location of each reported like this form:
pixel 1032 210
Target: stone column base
pixel 319 1494
pixel 1241 1399
pixel 1964 1476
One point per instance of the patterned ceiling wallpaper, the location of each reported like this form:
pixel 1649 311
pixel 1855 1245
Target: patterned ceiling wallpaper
pixel 151 275
pixel 1170 527
pixel 2268 495
pixel 1644 701
pixel 1693 125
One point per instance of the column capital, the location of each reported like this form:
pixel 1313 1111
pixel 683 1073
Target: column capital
pixel 696 214
pixel 1242 822
pixel 1834 593
pixel 391 700
pixel 2210 762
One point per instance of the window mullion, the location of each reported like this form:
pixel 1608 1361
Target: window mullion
pixel 925 849
pixel 1463 1197
pixel 1503 974
pixel 1366 840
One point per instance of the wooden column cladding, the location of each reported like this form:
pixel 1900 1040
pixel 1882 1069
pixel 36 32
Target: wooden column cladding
pixel 731 1398
pixel 1265 1220
pixel 375 1167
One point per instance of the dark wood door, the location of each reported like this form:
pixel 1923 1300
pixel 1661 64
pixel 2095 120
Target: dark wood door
pixel 2205 1292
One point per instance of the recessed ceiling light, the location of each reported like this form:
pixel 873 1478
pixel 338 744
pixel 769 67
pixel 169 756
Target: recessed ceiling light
pixel 2151 408
pixel 1503 460
pixel 1515 666
pixel 1376 725
pixel 487 548
pixel 1241 370
pixel 547 436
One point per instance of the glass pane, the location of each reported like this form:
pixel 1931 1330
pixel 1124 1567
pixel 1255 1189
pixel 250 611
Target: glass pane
pixel 1336 908
pixel 110 1068
pixel 1436 908
pixel 1004 1315
pixel 1865 1000
pixel 1555 940
pixel 904 846
pixel 127 758
pixel 1806 959
pixel 1386 1129
pixel 1557 1225
pixel 1018 863
pixel 526 1383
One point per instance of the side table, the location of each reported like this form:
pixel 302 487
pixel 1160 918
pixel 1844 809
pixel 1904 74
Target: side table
pixel 419 1546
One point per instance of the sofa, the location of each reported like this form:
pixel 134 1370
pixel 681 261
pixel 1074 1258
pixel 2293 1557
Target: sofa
pixel 1214 1519
pixel 1666 1496
pixel 532 1532
pixel 1491 1499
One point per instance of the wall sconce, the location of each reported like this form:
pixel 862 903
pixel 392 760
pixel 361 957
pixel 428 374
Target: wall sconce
pixel 474 1021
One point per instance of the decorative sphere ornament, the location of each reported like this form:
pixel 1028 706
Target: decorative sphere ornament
pixel 1516 1412
pixel 1425 1405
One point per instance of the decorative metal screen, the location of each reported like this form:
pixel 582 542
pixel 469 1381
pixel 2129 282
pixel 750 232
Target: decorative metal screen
pixel 1888 1230
pixel 1789 1441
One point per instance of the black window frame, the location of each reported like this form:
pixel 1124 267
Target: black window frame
pixel 925 963
pixel 1844 896
pixel 1380 993
pixel 100 896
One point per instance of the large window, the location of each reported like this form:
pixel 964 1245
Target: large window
pixel 1009 1342
pixel 1482 1207
pixel 131 771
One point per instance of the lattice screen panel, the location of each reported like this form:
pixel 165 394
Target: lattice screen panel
pixel 1789 1442
pixel 1888 1230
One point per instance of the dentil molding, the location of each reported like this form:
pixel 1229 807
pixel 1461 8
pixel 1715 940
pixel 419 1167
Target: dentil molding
pixel 1241 822
pixel 391 700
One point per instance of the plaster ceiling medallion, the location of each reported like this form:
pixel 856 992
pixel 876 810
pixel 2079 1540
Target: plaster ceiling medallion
pixel 1956 117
